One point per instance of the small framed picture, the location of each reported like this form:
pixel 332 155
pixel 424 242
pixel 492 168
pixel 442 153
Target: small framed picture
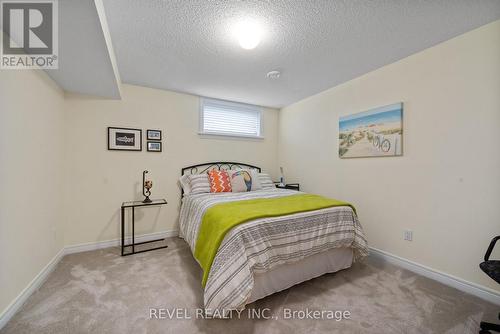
pixel 124 139
pixel 154 134
pixel 154 146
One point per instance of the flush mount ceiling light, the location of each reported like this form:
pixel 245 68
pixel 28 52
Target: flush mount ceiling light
pixel 249 33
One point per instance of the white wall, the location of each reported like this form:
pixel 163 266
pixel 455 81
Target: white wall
pixel 446 187
pixel 61 186
pixel 100 180
pixel 32 177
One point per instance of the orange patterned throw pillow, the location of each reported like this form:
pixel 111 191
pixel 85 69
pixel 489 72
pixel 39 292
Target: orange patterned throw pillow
pixel 219 181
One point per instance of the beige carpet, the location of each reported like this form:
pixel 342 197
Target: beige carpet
pixel 102 292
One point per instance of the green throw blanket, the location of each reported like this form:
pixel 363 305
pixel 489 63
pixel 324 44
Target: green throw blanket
pixel 220 218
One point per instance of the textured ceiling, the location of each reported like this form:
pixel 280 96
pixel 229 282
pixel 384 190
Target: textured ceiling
pixel 187 46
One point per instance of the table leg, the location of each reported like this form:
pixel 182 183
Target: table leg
pixel 133 230
pixel 133 244
pixel 123 228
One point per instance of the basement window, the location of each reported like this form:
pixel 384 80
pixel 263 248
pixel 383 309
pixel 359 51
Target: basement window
pixel 225 118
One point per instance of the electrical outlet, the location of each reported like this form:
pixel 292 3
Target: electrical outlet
pixel 408 235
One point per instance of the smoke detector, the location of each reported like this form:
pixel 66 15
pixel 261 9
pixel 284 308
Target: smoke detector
pixel 273 75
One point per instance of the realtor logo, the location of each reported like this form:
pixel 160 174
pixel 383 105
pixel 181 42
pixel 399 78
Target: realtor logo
pixel 29 38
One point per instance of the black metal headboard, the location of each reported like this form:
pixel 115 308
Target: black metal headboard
pixel 221 165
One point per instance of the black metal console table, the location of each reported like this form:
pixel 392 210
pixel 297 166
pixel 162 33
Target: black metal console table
pixel 133 205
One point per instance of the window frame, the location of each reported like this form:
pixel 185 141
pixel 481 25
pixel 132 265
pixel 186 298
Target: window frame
pixel 243 106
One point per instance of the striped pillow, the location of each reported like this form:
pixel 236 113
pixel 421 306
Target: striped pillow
pixel 255 180
pixel 219 181
pixel 186 186
pixel 266 182
pixel 199 184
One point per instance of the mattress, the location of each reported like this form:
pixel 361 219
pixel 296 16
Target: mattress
pixel 263 245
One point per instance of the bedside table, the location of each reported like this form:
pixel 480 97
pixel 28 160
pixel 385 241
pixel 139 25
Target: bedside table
pixel 132 205
pixel 291 186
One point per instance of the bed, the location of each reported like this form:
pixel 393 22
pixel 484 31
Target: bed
pixel 266 255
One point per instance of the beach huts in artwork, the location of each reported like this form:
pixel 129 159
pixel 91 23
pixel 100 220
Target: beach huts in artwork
pixel 373 133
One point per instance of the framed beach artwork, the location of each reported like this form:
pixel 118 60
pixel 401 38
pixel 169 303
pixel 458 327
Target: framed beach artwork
pixel 374 133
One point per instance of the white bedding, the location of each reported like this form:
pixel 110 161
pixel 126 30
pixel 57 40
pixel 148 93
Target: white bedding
pixel 261 245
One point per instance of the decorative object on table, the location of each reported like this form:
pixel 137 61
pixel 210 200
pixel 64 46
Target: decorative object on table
pixel 133 205
pixel 124 139
pixel 153 134
pixel 146 187
pixel 282 177
pixel 154 146
pixel 374 133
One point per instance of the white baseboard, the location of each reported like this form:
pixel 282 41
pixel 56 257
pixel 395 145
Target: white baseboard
pixel 89 246
pixel 472 288
pixel 18 302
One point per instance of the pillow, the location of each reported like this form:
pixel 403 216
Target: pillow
pixel 266 182
pixel 219 181
pixel 255 180
pixel 244 180
pixel 185 184
pixel 199 184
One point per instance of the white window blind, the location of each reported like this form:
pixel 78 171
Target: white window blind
pixel 230 118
